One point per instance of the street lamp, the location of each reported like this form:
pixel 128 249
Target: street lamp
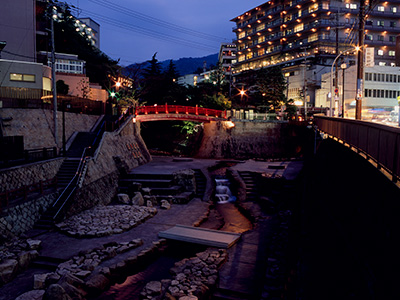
pixel 331 81
pixel 343 66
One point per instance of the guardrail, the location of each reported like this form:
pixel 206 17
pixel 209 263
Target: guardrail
pixel 28 156
pixel 380 143
pixel 180 109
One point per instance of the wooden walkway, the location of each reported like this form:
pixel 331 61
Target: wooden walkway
pixel 208 237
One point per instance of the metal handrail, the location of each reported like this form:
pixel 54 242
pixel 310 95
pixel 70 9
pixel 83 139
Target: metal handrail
pixel 73 184
pixel 180 109
pixel 380 143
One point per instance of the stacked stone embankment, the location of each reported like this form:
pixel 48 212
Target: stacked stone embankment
pixel 15 256
pixel 193 278
pixel 19 218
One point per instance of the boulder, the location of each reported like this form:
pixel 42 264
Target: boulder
pixel 8 269
pixel 39 281
pixel 24 259
pixel 31 295
pixel 152 199
pixel 153 288
pixel 98 283
pixel 56 292
pixel 123 198
pixel 138 199
pixel 34 244
pixel 165 204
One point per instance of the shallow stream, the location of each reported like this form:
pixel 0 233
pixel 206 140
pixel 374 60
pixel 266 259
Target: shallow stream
pixel 224 216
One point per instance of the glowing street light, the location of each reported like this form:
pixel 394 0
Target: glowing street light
pixel 331 81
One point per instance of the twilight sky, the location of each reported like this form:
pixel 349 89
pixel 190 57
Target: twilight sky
pixel 133 30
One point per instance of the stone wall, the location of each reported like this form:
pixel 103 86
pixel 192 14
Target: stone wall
pixel 248 139
pixel 37 125
pixel 16 177
pixel 20 218
pixel 118 152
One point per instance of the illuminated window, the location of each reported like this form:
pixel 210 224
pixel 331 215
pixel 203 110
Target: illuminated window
pixel 392 53
pixel 313 37
pixel 260 52
pixel 382 63
pixel 394 9
pixel 351 5
pixel 68 66
pixel 260 27
pixel 380 52
pixel 299 27
pixel 381 8
pixel 380 23
pixel 242 57
pixel 242 35
pixel 261 39
pixel 22 77
pixel 325 5
pixel 313 8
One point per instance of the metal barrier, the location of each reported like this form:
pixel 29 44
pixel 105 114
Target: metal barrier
pixel 378 142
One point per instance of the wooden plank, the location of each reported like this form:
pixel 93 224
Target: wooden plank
pixel 208 237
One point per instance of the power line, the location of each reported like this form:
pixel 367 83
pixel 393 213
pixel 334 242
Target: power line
pixel 149 32
pixel 156 21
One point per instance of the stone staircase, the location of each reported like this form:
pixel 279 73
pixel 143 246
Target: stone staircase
pixel 201 183
pixel 160 186
pixel 250 179
pixel 67 171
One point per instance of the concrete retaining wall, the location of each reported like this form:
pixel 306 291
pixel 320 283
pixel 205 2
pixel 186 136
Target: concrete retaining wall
pixel 247 140
pixel 37 125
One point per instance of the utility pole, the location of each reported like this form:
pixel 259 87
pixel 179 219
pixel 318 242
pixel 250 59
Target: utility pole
pixel 360 62
pixel 336 65
pixel 53 73
pixel 305 83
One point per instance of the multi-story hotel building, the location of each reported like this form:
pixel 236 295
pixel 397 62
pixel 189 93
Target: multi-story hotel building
pixel 305 36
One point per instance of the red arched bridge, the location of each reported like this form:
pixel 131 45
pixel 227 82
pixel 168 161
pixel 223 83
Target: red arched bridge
pixel 177 112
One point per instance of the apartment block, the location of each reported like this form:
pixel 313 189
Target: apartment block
pixel 305 37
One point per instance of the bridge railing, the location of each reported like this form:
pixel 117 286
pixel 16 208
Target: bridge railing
pixel 180 109
pixel 378 142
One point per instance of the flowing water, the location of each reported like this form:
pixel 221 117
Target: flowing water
pixel 231 220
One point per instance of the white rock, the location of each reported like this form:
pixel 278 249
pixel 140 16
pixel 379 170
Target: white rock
pixel 34 244
pixel 123 198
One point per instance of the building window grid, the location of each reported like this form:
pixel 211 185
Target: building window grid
pixel 68 66
pixel 381 77
pixel 274 21
pixel 377 93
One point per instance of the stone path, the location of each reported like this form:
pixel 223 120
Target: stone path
pixel 106 220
